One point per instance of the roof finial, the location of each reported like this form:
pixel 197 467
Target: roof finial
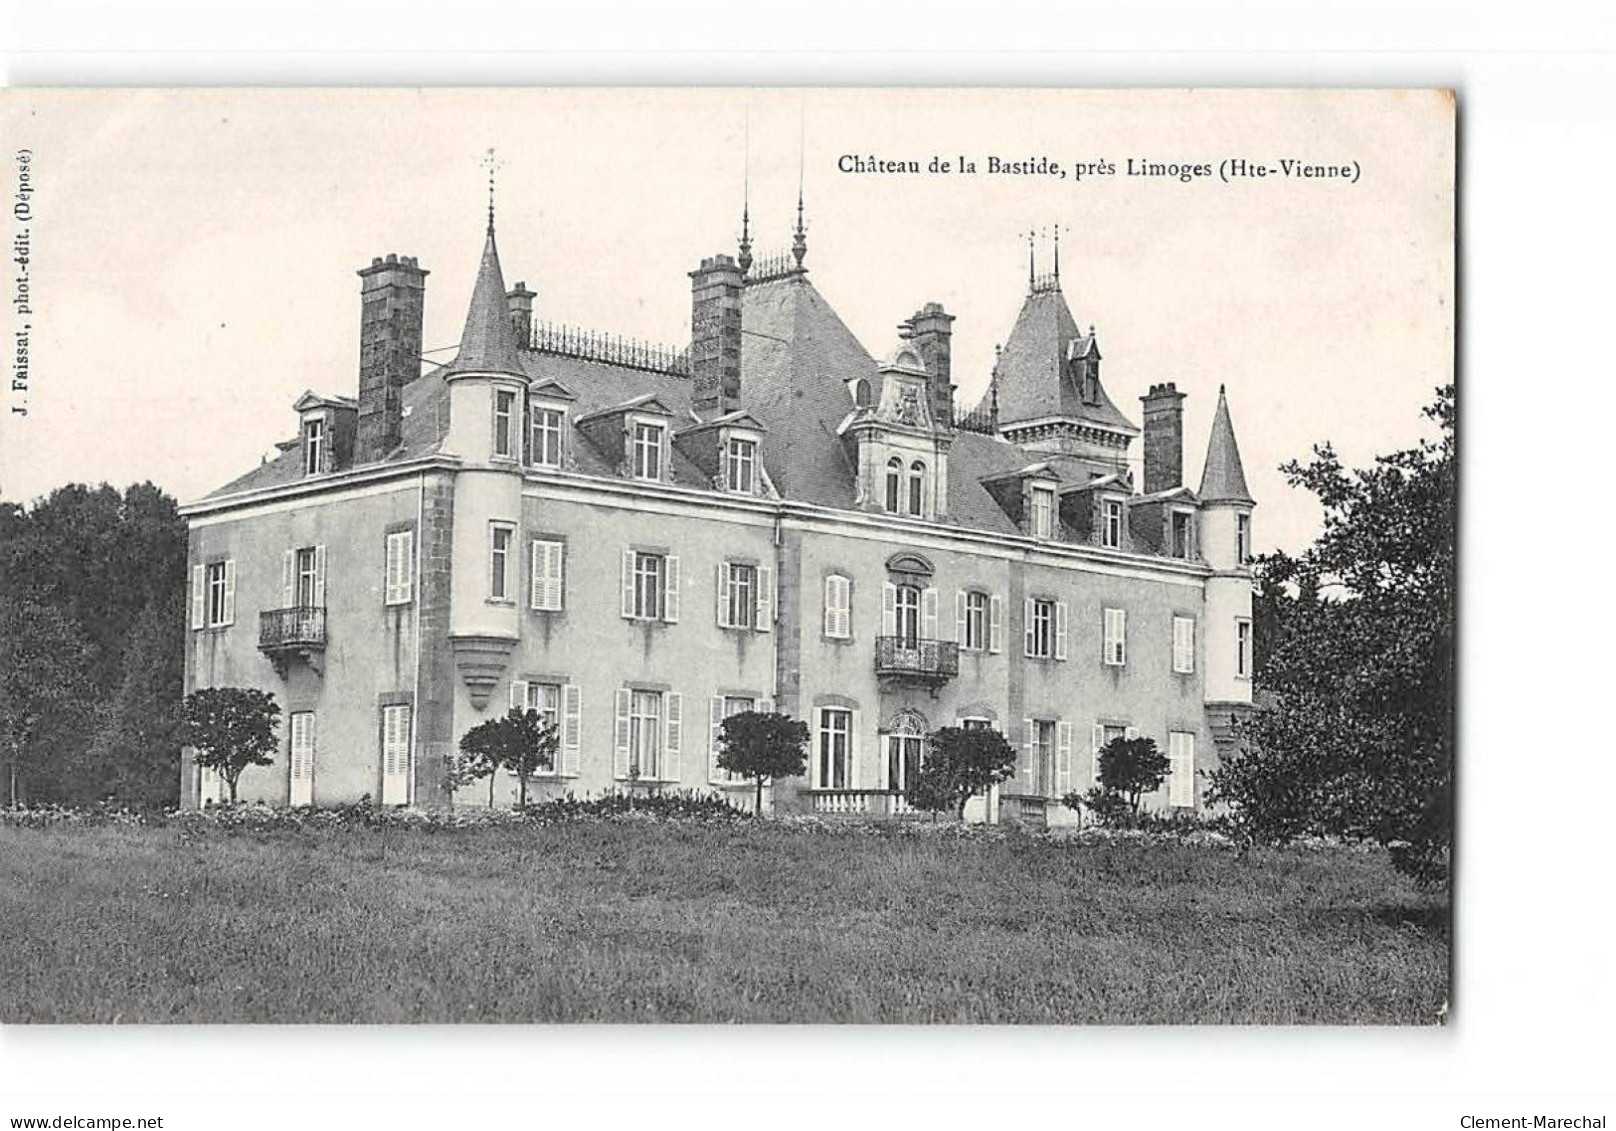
pixel 491 163
pixel 1032 262
pixel 799 239
pixel 1057 256
pixel 745 258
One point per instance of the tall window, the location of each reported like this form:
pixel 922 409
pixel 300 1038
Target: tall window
pixel 500 538
pixel 648 585
pixel 894 484
pixel 313 446
pixel 1181 764
pixel 1242 655
pixel 300 757
pixel 308 577
pixel 1040 757
pixel 974 621
pixel 1043 512
pixel 213 594
pixel 838 607
pixel 917 488
pixel 399 574
pixel 544 698
pixel 741 466
pixel 545 437
pixel 217 575
pixel 725 707
pixel 648 451
pixel 1115 646
pixel 504 422
pixel 740 595
pixel 1242 538
pixel 905 750
pixel 1183 644
pixel 1111 524
pixel 1182 528
pixel 907 623
pixel 645 734
pixel 1040 628
pixel 833 762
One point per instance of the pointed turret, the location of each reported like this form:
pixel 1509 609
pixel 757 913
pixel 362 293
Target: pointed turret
pixel 1223 480
pixel 488 342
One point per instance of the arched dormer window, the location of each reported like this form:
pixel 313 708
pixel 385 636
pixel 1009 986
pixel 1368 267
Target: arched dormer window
pixel 917 488
pixel 861 393
pixel 894 484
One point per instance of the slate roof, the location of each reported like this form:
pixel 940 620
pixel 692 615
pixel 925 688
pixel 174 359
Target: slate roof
pixel 1032 367
pixel 1223 480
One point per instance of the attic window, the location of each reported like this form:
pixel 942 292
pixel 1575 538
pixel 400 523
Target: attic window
pixel 894 484
pixel 314 442
pixel 648 451
pixel 1043 512
pixel 741 465
pixel 861 393
pixel 1182 534
pixel 1111 524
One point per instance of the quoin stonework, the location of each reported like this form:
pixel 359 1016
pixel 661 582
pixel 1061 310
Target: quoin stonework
pixel 637 541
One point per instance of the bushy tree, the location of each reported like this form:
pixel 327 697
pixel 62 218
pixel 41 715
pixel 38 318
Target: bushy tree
pixel 520 742
pixel 229 729
pixel 1353 735
pixel 42 695
pixel 960 763
pixel 1132 767
pixel 763 746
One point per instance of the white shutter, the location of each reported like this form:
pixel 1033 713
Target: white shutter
pixel 395 755
pixel 1122 636
pixel 839 607
pixel 1063 759
pixel 300 763
pixel 1183 644
pixel 1060 630
pixel 544 583
pixel 928 614
pixel 765 598
pixel 995 624
pixel 199 596
pixel 628 583
pixel 1181 749
pixel 1026 619
pixel 399 572
pixel 855 727
pixel 1029 754
pixel 572 709
pixel 229 591
pixel 889 609
pixel 959 617
pixel 1096 743
pixel 620 734
pixel 715 722
pixel 721 589
pixel 319 577
pixel 519 694
pixel 289 579
pixel 555 576
pixel 670 601
pixel 831 624
pixel 672 749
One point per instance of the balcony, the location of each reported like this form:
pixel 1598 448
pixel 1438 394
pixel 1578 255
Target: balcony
pixel 860 803
pixel 930 662
pixel 297 633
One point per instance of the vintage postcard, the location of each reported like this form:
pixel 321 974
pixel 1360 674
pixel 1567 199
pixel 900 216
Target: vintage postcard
pixel 681 555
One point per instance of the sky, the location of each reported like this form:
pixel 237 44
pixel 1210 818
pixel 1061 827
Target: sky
pixel 194 252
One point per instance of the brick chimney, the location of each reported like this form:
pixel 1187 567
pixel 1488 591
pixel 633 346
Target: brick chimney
pixel 930 330
pixel 392 296
pixel 519 301
pixel 715 334
pixel 1164 437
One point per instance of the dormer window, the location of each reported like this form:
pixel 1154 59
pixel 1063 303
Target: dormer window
pixel 917 488
pixel 648 451
pixel 544 443
pixel 1043 512
pixel 894 484
pixel 314 442
pixel 1111 524
pixel 504 423
pixel 1183 534
pixel 740 466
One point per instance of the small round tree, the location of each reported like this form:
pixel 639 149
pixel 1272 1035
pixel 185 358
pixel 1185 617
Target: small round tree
pixel 960 763
pixel 763 746
pixel 229 729
pixel 1132 767
pixel 521 742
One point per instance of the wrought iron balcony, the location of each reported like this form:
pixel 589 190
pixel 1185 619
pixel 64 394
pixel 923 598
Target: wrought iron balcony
pixel 295 632
pixel 924 661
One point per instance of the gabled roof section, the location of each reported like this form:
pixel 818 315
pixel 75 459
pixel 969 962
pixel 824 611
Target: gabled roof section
pixel 311 399
pixel 1103 483
pixel 646 402
pixel 1223 480
pixel 1171 494
pixel 1033 381
pixel 740 418
pixel 488 342
pixel 550 387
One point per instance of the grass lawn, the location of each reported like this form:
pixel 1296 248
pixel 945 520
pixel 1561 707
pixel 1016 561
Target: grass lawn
pixel 650 921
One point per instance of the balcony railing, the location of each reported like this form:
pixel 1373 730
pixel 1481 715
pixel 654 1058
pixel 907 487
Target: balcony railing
pixel 860 803
pixel 299 628
pixel 928 661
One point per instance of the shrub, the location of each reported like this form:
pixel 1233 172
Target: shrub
pixel 960 764
pixel 763 746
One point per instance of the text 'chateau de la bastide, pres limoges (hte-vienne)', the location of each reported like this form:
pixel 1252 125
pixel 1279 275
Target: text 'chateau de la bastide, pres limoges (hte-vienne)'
pixel 637 542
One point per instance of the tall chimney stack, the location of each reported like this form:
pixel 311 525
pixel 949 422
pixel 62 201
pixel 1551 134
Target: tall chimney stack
pixel 392 297
pixel 1164 437
pixel 715 335
pixel 930 330
pixel 519 302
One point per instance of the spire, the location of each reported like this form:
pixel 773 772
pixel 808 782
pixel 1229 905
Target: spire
pixel 488 342
pixel 1057 256
pixel 745 258
pixel 799 238
pixel 1032 263
pixel 1223 480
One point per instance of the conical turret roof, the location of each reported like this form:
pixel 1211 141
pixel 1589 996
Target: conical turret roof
pixel 1223 480
pixel 488 342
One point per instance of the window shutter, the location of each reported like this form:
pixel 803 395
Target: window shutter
pixel 555 573
pixel 395 755
pixel 628 583
pixel 229 591
pixel 928 614
pixel 1096 744
pixel 406 567
pixel 831 625
pixel 995 624
pixel 855 726
pixel 889 609
pixel 1063 759
pixel 721 588
pixel 288 579
pixel 765 598
pixel 959 617
pixel 519 694
pixel 1060 630
pixel 620 751
pixel 1122 636
pixel 673 719
pixel 199 596
pixel 319 577
pixel 572 712
pixel 1026 619
pixel 1181 747
pixel 670 600
pixel 715 721
pixel 1029 752
pixel 842 619
pixel 538 571
pixel 1183 644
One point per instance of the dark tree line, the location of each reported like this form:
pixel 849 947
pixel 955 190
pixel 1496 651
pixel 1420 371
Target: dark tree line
pixel 92 607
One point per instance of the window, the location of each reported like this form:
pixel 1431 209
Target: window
pixel 399 575
pixel 1242 654
pixel 738 595
pixel 905 751
pixel 1043 512
pixel 833 763
pixel 313 446
pixel 1182 528
pixel 973 621
pixel 396 754
pixel 504 424
pixel 645 735
pixel 723 706
pixel 1037 758
pixel 1104 735
pixel 1046 628
pixel 917 488
pixel 1115 651
pixel 213 594
pixel 1183 645
pixel 546 582
pixel 906 619
pixel 861 393
pixel 300 758
pixel 894 483
pixel 558 705
pixel 976 724
pixel 650 586
pixel 1111 524
pixel 838 607
pixel 1181 765
pixel 308 578
pixel 741 466
pixel 544 441
pixel 216 593
pixel 544 698
pixel 1242 539
pixel 648 451
pixel 500 537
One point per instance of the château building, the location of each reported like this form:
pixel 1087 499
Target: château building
pixel 638 542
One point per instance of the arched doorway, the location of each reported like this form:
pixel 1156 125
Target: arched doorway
pixel 906 747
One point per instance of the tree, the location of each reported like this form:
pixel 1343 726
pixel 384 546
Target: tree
pixel 42 661
pixel 960 763
pixel 521 742
pixel 1132 767
pixel 763 746
pixel 1353 735
pixel 230 728
pixel 135 750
